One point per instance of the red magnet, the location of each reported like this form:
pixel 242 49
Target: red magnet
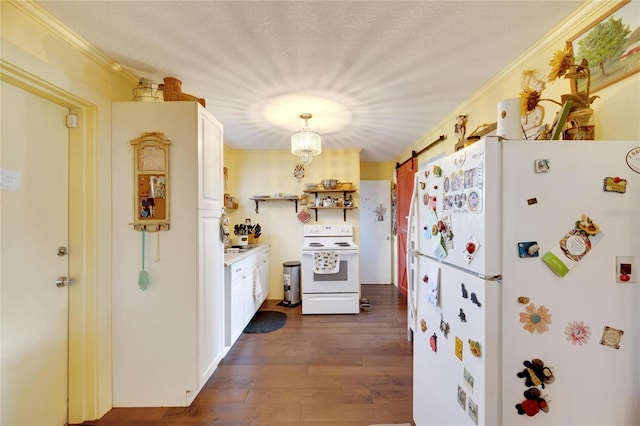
pixel 625 277
pixel 433 341
pixel 471 248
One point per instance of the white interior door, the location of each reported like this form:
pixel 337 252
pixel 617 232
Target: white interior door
pixel 375 232
pixel 34 223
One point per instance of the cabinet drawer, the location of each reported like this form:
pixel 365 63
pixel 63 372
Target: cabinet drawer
pixel 240 268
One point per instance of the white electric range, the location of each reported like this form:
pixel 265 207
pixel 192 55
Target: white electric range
pixel 330 270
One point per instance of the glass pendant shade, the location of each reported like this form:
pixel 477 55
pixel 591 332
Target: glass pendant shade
pixel 306 143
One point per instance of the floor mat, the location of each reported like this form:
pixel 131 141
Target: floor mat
pixel 266 322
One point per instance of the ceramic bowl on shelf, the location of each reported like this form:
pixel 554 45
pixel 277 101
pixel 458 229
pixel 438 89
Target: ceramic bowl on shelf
pixel 329 183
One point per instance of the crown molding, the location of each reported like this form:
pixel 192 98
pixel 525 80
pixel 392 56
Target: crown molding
pixel 42 17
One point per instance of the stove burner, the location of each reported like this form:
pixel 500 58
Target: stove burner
pixel 316 245
pixel 343 244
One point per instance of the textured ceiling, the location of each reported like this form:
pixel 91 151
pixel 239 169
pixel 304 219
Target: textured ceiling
pixel 376 75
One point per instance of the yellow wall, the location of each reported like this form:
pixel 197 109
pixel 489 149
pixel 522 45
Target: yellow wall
pixel 271 172
pixel 378 171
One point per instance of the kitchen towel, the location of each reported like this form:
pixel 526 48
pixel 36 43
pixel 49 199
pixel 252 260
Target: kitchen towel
pixel 257 284
pixel 326 262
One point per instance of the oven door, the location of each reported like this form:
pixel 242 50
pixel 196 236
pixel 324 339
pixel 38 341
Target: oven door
pixel 345 280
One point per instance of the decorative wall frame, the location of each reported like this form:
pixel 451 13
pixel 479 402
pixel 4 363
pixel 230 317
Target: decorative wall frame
pixel 151 182
pixel 621 58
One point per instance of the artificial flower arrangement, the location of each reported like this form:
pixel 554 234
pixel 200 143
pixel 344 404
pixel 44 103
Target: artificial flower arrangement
pixel 579 103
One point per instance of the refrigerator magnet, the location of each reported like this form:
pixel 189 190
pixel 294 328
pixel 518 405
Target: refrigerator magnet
pixel 444 326
pixel 614 184
pixel 462 316
pixel 468 378
pixel 458 348
pixel 473 411
pixel 542 165
pixel 475 301
pixel 535 319
pixel 577 333
pixel 433 342
pixel 465 293
pixel 533 403
pixel 423 325
pixel 611 337
pixel 626 269
pixel 471 248
pixel 474 347
pixel 536 373
pixel 528 249
pixel 573 247
pixel 633 159
pixel 462 397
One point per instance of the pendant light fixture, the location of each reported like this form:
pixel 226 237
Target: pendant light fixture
pixel 306 143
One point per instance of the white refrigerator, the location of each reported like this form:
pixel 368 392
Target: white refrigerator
pixel 524 292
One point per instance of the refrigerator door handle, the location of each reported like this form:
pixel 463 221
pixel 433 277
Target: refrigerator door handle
pixel 497 278
pixel 412 287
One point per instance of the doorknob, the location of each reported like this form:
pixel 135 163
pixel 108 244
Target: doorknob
pixel 64 281
pixel 62 251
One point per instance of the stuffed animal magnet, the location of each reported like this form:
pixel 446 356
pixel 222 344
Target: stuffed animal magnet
pixel 536 374
pixel 533 403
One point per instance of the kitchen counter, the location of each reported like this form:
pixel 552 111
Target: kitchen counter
pixel 236 253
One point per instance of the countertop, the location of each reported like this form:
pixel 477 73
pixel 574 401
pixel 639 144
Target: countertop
pixel 236 253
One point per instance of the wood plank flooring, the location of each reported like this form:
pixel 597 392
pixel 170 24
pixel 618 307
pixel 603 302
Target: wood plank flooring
pixel 317 370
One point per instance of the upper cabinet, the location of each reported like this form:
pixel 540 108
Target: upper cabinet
pixel 210 172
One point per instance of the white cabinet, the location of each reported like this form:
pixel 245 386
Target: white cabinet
pixel 169 338
pixel 247 287
pixel 262 270
pixel 240 304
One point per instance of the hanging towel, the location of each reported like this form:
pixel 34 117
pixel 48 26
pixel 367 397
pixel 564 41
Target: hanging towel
pixel 257 284
pixel 326 262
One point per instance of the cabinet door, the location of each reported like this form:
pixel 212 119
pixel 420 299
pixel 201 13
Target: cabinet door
pixel 263 271
pixel 248 307
pixel 237 312
pixel 210 296
pixel 211 187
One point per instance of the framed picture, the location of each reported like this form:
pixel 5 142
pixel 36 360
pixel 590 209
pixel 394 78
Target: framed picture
pixel 611 45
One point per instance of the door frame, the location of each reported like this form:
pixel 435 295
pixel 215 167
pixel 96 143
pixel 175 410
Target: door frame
pixel 89 310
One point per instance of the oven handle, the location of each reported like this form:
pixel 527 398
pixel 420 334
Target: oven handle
pixel 341 252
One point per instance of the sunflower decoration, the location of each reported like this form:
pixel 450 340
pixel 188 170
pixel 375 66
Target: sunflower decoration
pixel 562 65
pixel 535 319
pixel 532 88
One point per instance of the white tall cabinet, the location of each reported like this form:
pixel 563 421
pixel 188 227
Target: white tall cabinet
pixel 169 338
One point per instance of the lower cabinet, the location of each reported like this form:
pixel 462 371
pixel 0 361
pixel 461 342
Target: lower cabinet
pixel 246 288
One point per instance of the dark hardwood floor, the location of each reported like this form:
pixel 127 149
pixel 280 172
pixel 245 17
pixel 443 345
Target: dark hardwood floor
pixel 316 370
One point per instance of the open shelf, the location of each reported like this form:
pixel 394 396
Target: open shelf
pixel 328 191
pixel 257 200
